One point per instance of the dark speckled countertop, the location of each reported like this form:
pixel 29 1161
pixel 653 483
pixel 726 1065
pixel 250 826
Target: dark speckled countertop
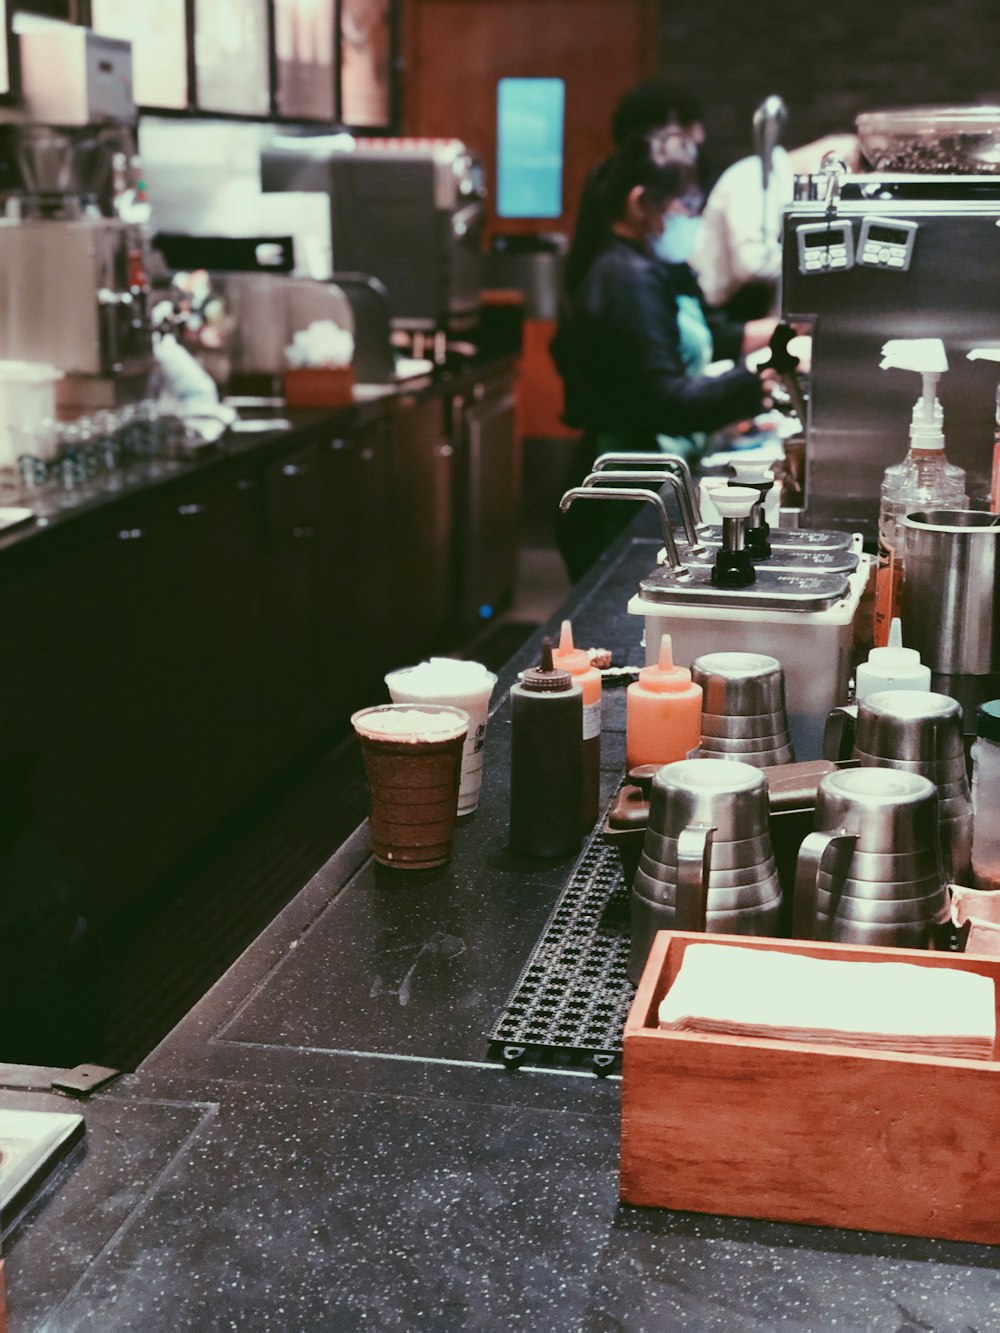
pixel 322 1144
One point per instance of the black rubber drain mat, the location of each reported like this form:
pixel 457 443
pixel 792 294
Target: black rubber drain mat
pixel 572 998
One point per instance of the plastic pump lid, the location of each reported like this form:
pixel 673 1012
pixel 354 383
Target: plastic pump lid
pixel 892 667
pixel 988 720
pixel 571 659
pixel 546 678
pixel 927 357
pixel 664 677
pixel 735 501
pixel 757 475
pixel 924 433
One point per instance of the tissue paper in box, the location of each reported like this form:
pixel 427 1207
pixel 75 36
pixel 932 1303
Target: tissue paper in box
pixel 319 386
pixel 798 1132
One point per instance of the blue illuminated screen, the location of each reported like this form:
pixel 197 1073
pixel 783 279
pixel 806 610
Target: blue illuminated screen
pixel 530 119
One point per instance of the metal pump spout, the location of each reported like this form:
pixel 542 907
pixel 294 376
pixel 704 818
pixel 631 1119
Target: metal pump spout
pixel 769 120
pixel 678 569
pixel 649 460
pixel 733 565
pixel 658 479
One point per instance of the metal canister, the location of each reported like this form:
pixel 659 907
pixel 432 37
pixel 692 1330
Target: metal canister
pixel 950 595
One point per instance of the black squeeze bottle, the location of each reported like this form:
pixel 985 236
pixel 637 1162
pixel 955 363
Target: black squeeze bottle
pixel 546 761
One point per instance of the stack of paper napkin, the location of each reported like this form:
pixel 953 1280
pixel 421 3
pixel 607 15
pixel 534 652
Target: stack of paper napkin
pixel 938 1011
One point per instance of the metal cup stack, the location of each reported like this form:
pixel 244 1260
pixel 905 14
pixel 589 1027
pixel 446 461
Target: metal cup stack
pixel 919 732
pixel 743 708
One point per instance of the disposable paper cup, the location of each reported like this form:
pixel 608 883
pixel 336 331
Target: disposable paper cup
pixel 413 761
pixel 465 685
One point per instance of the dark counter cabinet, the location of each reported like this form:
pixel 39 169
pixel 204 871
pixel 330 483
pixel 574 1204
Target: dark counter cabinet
pixel 169 650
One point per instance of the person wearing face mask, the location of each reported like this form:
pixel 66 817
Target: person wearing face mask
pixel 655 108
pixel 633 342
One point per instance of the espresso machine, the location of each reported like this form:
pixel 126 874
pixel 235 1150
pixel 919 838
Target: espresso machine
pixel 73 271
pixel 876 257
pixel 911 250
pixel 409 212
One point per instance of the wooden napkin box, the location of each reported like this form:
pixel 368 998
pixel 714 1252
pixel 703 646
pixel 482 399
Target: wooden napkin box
pixel 319 386
pixel 823 1135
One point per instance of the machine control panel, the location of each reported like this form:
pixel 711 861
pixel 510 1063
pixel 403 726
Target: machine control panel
pixel 825 247
pixel 886 243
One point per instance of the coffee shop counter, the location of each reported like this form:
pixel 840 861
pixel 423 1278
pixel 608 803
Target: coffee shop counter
pixel 323 1143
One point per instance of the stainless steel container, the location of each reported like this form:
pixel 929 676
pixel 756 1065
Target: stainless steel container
pixel 950 595
pixel 67 296
pixel 917 733
pixel 873 873
pixel 707 862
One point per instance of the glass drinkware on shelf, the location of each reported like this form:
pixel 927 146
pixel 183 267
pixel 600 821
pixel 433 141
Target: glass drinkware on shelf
pixel 108 450
pixel 74 439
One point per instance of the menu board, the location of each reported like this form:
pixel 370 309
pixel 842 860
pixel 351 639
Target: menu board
pixel 304 46
pixel 157 30
pixel 4 51
pixel 232 57
pixel 366 63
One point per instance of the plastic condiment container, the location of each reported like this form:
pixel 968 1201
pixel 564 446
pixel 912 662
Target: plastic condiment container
pixel 546 761
pixel 466 685
pixel 986 797
pixel 814 647
pixel 574 660
pixel 891 668
pixel 663 712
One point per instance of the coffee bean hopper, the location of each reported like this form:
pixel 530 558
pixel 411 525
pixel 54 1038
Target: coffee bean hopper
pixel 711 593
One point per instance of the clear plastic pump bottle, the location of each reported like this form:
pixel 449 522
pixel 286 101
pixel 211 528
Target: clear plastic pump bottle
pixel 923 480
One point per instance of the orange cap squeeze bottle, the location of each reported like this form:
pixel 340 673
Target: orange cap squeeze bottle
pixel 663 712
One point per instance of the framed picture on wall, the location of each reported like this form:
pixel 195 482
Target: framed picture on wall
pixel 304 42
pixel 366 63
pixel 157 30
pixel 232 57
pixel 9 86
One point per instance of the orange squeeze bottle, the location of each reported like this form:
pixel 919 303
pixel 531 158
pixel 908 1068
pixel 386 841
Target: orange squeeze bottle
pixel 663 712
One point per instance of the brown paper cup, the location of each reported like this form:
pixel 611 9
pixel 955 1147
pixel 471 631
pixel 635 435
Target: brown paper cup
pixel 413 779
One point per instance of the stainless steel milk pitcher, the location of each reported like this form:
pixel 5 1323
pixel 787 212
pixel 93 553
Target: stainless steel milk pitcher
pixel 707 862
pixel 873 873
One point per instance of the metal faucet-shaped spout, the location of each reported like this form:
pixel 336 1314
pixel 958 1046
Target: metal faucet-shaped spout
pixel 658 478
pixel 678 569
pixel 645 459
pixel 769 120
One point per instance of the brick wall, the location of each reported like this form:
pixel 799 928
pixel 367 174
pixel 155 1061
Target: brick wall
pixel 829 59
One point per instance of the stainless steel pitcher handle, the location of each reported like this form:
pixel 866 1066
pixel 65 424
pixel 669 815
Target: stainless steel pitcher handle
pixel 838 734
pixel 815 849
pixel 694 853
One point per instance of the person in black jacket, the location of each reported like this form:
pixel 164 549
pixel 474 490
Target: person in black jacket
pixel 652 108
pixel 632 343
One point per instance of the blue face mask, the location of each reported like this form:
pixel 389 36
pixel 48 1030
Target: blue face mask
pixel 674 246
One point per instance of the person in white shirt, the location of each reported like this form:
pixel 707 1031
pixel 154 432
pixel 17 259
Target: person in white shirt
pixel 737 253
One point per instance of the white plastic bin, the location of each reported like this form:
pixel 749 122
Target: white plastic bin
pixel 27 398
pixel 814 647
